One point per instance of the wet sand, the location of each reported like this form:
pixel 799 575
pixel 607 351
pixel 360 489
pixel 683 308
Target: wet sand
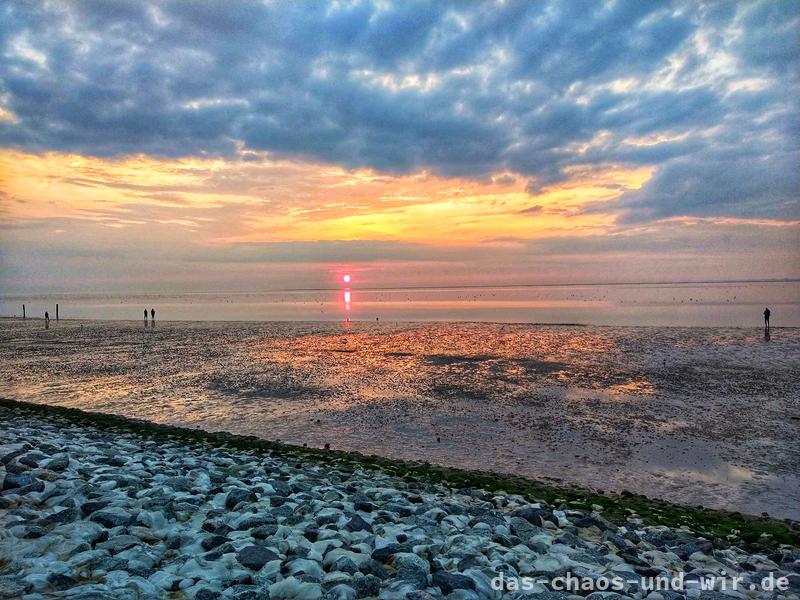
pixel 693 415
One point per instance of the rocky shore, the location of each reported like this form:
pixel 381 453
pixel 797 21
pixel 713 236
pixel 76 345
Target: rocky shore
pixel 90 513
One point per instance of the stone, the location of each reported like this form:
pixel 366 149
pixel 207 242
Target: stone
pixel 534 516
pixel 356 523
pixel 213 541
pixel 173 541
pixel 60 462
pixel 68 515
pixel 254 521
pixel 248 592
pixel 366 585
pixel 164 580
pixel 119 543
pixel 382 555
pixel 88 508
pixel 19 451
pixel 363 505
pixel 238 495
pixel 33 532
pixel 16 481
pixel 308 570
pixel 29 460
pixel 373 567
pixel 342 592
pixel 523 529
pixel 419 595
pixel 179 483
pixel 412 568
pixel 605 596
pixel 11 588
pixel 61 582
pixel 111 517
pixel 255 557
pixel 345 564
pixel 448 582
pixel 292 588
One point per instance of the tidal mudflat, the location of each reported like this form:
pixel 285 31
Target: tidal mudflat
pixel 693 415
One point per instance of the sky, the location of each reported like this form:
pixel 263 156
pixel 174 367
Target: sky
pixel 210 145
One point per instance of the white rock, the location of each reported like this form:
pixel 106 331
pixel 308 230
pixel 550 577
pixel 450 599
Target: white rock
pixel 294 589
pixel 308 567
pixel 185 584
pixel 547 564
pixel 37 581
pixel 162 579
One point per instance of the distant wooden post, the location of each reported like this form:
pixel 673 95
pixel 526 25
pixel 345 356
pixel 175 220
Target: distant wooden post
pixel 23 312
pixel 56 311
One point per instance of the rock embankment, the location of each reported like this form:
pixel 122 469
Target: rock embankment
pixel 88 513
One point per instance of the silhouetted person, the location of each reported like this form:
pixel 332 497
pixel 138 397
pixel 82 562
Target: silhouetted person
pixel 767 313
pixel 145 317
pixel 46 320
pixel 152 317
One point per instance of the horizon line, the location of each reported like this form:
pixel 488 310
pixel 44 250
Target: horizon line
pixel 19 295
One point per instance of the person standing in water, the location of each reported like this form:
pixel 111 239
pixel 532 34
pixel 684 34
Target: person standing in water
pixel 46 320
pixel 145 317
pixel 767 313
pixel 152 317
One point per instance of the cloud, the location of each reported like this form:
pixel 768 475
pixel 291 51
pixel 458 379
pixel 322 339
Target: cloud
pixel 719 183
pixel 504 179
pixel 36 258
pixel 536 209
pixel 705 93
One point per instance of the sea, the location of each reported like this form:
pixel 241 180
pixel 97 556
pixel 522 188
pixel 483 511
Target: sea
pixel 716 304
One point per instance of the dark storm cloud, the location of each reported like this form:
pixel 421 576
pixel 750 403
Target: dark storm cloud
pixel 462 89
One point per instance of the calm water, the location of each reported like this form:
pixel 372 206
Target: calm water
pixel 716 305
pixel 696 415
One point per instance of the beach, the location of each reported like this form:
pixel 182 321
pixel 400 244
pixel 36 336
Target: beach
pixel 696 416
pixel 388 300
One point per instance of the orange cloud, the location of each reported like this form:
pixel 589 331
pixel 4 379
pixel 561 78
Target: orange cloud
pixel 263 198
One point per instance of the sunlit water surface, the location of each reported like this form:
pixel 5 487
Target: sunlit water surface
pixel 696 415
pixel 715 304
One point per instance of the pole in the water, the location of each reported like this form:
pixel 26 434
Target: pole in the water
pixel 23 312
pixel 56 311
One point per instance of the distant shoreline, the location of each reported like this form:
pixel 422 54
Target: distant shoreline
pixel 53 323
pixel 38 295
